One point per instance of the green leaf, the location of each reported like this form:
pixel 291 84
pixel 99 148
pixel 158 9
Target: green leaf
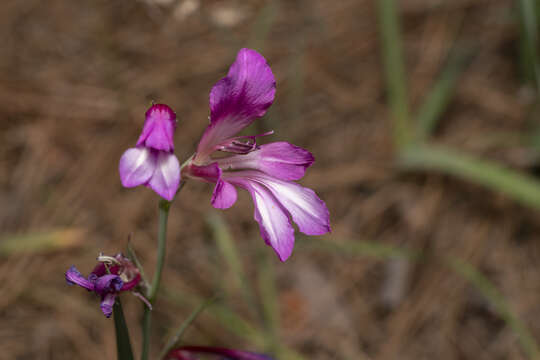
pixel 440 95
pixel 528 41
pixel 521 187
pixel 461 268
pixel 394 68
pixel 123 343
pixel 174 341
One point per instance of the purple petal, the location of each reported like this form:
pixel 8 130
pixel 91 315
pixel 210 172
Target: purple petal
pixel 238 99
pixel 107 303
pixel 137 166
pixel 278 159
pixel 224 195
pixel 166 177
pixel 308 211
pixel 274 224
pixel 209 173
pixel 108 284
pixel 74 277
pixel 158 130
pixel 188 351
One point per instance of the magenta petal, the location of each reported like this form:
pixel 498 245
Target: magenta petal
pixel 209 173
pixel 239 98
pixel 278 159
pixel 186 352
pixel 274 224
pixel 74 277
pixel 166 177
pixel 107 303
pixel 136 166
pixel 158 130
pixel 224 195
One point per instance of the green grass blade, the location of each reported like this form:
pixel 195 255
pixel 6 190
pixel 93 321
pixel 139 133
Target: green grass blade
pixel 174 341
pixel 394 68
pixel 40 242
pixel 270 305
pixel 440 96
pixel 123 343
pixel 232 322
pixel 522 188
pixel 461 268
pixel 229 252
pixel 490 292
pixel 263 24
pixel 528 41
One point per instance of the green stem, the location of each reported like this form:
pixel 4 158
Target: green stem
pixel 164 207
pixel 146 320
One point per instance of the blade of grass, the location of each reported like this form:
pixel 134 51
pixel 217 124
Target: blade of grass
pixel 123 344
pixel 522 188
pixel 263 23
pixel 232 322
pixel 394 68
pixel 482 284
pixel 461 268
pixel 440 96
pixel 270 305
pixel 229 252
pixel 174 341
pixel 38 242
pixel 528 41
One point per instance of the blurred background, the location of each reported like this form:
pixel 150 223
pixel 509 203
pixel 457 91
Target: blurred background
pixel 423 119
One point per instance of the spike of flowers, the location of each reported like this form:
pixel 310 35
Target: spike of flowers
pixel 192 352
pixel 121 276
pixel 267 172
pixel 152 162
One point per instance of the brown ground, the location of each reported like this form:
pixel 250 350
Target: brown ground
pixel 75 80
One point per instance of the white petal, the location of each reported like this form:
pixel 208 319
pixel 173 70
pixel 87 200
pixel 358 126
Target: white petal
pixel 166 177
pixel 136 166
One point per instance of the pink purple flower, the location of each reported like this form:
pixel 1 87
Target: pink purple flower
pixel 121 276
pixel 152 162
pixel 268 171
pixel 192 352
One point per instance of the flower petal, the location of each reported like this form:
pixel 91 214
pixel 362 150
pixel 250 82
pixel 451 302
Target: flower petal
pixel 185 352
pixel 224 195
pixel 274 224
pixel 307 210
pixel 108 284
pixel 158 129
pixel 278 159
pixel 166 177
pixel 74 277
pixel 137 166
pixel 239 98
pixel 107 303
pixel 209 173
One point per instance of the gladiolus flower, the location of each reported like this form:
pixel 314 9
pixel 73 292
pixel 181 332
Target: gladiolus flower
pixel 192 352
pixel 121 276
pixel 268 171
pixel 152 162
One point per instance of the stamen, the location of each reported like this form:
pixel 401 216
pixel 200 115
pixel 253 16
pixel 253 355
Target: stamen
pixel 242 144
pixel 109 260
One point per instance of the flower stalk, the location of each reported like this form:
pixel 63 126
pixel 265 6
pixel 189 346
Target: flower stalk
pixel 164 207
